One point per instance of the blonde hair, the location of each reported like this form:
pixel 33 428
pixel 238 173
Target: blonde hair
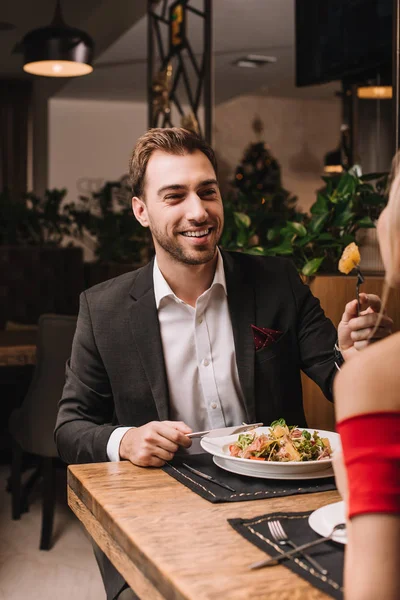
pixel 392 278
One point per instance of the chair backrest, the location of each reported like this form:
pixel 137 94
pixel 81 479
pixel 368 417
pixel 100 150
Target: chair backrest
pixel 33 424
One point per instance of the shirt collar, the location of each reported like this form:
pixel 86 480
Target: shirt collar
pixel 163 290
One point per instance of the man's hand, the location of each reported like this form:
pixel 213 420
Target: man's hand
pixel 153 444
pixel 354 331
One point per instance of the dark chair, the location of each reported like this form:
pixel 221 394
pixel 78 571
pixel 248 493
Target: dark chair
pixel 32 425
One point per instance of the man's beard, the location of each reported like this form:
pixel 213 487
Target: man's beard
pixel 197 256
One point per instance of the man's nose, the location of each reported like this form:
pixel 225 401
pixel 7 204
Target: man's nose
pixel 196 209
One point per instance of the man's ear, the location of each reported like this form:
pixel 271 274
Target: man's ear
pixel 140 211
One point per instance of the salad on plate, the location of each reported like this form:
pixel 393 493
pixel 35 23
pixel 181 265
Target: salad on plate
pixel 282 443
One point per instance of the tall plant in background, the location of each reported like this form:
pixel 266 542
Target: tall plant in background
pixel 115 235
pixel 34 221
pixel 257 202
pixel 345 205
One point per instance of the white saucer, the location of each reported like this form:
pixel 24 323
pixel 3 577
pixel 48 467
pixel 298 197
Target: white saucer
pixel 324 519
pixel 239 469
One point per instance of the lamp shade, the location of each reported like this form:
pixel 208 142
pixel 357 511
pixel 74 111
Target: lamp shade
pixel 57 51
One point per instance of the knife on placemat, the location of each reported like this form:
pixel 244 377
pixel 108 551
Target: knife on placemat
pixel 208 477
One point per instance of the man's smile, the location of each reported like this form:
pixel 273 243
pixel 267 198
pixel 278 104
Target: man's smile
pixel 199 233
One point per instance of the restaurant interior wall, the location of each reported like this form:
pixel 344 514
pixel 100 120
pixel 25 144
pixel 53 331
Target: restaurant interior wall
pixel 90 142
pixel 298 131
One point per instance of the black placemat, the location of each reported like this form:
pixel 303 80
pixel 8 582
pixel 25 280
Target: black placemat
pixel 246 488
pixel 329 554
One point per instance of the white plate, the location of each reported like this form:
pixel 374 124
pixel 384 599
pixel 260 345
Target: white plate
pixel 324 519
pixel 220 447
pixel 239 469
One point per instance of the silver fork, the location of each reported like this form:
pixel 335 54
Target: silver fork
pixel 280 536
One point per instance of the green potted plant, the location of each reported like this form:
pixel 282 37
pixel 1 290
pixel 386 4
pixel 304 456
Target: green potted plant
pixel 256 201
pixel 120 243
pixel 347 204
pixel 37 273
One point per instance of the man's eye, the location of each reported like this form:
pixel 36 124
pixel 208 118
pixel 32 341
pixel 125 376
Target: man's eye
pixel 174 197
pixel 209 192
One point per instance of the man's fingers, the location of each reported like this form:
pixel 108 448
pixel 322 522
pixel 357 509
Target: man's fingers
pixel 350 311
pixel 162 454
pixel 168 431
pixel 370 300
pixel 361 345
pixel 369 320
pixel 164 443
pixel 365 334
pixel 366 301
pixel 182 427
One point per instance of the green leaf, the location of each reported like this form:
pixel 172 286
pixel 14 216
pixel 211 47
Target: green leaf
pixel 241 220
pixel 371 176
pixel 273 233
pixel 365 188
pixel 347 239
pixel 284 249
pixel 305 240
pixel 317 224
pixel 344 218
pixel 296 228
pixel 256 251
pixel 321 206
pixel 347 185
pixel 373 199
pixel 312 266
pixel 242 238
pixel 366 223
pixel 326 237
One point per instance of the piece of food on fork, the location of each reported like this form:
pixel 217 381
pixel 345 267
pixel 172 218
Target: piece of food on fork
pixel 350 259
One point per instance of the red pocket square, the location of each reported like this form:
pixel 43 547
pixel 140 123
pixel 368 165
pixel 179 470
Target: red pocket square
pixel 263 336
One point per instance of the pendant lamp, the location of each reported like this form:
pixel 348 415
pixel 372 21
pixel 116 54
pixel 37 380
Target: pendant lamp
pixel 57 50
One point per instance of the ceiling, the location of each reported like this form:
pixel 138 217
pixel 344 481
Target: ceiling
pixel 119 30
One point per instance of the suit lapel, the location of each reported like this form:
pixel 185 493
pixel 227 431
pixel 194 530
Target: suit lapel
pixel 241 303
pixel 146 334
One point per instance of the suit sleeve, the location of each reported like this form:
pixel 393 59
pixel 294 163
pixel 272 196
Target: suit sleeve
pixel 316 335
pixel 86 408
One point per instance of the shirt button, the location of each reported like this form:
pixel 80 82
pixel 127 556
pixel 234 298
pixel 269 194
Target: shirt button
pixel 200 320
pixel 213 405
pixel 206 362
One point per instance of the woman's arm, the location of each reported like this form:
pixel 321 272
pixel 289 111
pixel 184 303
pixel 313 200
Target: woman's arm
pixel 370 383
pixel 372 558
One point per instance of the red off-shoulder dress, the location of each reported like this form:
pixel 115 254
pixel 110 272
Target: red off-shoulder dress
pixel 371 451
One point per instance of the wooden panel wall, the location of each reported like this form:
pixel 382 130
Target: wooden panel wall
pixel 334 292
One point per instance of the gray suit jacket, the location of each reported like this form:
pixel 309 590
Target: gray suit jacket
pixel 116 373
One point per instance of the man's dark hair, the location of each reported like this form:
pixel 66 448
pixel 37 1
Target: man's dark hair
pixel 172 140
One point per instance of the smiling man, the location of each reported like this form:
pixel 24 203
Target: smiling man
pixel 197 339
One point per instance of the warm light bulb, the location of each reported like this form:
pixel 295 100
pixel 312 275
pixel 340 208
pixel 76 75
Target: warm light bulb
pixel 333 169
pixel 375 92
pixel 61 68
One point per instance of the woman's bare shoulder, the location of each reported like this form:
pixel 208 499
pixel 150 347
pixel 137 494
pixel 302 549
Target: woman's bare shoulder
pixel 370 381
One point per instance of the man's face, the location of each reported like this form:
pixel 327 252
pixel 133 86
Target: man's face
pixel 182 207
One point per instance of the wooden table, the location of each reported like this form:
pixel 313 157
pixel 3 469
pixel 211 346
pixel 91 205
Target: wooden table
pixel 17 348
pixel 169 543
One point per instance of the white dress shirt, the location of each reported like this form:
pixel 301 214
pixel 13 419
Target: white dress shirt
pixel 200 359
